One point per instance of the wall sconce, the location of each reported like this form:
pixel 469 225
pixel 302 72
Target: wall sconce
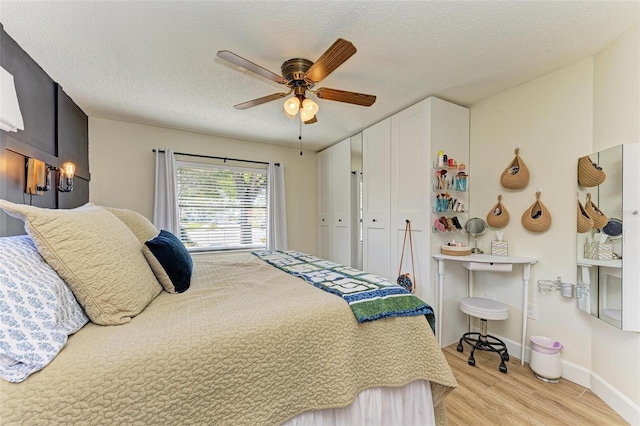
pixel 39 177
pixel 10 115
pixel 65 182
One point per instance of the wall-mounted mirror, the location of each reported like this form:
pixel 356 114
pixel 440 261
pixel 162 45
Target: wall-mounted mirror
pixel 608 286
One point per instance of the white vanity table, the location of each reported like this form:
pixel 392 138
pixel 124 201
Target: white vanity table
pixel 486 262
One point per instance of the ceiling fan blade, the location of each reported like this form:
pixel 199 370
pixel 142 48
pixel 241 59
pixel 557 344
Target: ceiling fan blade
pixel 344 96
pixel 312 120
pixel 250 66
pixel 260 101
pixel 339 52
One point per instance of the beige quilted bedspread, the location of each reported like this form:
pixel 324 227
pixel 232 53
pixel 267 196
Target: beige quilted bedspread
pixel 246 344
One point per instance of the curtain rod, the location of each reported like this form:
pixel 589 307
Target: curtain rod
pixel 218 158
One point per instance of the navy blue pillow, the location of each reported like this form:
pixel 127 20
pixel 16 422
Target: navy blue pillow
pixel 170 261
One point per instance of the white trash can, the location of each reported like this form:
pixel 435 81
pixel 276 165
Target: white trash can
pixel 545 358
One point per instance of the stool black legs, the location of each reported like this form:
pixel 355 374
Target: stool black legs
pixel 484 342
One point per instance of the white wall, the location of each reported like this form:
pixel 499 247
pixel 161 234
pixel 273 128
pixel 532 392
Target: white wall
pixel 123 167
pixel 550 120
pixel 616 107
pixel 583 108
pixel 616 120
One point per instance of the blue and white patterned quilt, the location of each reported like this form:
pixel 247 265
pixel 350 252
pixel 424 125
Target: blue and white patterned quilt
pixel 369 296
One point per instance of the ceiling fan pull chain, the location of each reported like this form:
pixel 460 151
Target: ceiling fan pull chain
pixel 300 137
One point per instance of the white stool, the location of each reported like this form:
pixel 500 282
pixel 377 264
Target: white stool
pixel 485 309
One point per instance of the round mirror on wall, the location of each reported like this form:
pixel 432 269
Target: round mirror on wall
pixel 476 227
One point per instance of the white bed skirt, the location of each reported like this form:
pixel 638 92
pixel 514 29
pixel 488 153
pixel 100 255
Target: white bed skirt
pixel 408 405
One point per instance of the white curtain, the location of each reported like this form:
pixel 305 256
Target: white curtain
pixel 165 207
pixel 276 208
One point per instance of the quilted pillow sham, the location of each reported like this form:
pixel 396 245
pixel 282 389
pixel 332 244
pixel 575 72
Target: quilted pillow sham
pixel 96 254
pixel 170 261
pixel 142 227
pixel 37 310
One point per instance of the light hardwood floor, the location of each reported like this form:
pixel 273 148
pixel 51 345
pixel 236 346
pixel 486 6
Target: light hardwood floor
pixel 485 396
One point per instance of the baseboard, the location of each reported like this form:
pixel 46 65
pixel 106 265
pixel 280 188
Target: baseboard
pixel 576 374
pixel 584 377
pixel 622 405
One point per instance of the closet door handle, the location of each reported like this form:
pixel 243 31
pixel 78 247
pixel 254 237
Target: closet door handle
pixel 375 220
pixel 339 220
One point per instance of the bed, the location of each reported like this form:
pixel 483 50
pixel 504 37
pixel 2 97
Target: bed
pixel 246 344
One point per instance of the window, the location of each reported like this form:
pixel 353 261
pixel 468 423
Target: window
pixel 222 207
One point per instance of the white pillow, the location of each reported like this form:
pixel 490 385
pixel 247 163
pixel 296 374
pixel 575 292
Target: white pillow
pixel 37 310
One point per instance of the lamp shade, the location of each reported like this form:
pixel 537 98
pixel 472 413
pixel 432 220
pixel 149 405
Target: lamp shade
pixel 292 105
pixel 305 115
pixel 10 115
pixel 310 106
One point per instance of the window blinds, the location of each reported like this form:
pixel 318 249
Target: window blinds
pixel 221 207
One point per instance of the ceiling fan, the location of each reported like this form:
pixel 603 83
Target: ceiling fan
pixel 300 76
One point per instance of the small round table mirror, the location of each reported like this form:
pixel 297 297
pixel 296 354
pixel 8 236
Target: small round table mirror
pixel 476 227
pixel 613 229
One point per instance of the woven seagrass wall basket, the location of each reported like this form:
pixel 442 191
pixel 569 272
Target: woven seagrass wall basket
pixel 536 218
pixel 516 175
pixel 498 216
pixel 599 218
pixel 589 173
pixel 585 223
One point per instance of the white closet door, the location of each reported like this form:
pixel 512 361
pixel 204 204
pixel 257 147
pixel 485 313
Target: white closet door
pixel 410 194
pixel 376 149
pixel 325 204
pixel 341 189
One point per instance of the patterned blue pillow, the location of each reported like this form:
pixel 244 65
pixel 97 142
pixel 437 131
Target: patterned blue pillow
pixel 37 310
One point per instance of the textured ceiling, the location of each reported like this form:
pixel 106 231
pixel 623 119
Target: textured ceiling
pixel 155 62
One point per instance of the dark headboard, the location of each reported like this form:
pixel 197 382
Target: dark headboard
pixel 56 130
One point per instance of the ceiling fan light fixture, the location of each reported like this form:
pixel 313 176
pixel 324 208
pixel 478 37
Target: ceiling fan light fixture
pixel 301 75
pixel 289 116
pixel 305 115
pixel 310 106
pixel 292 105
